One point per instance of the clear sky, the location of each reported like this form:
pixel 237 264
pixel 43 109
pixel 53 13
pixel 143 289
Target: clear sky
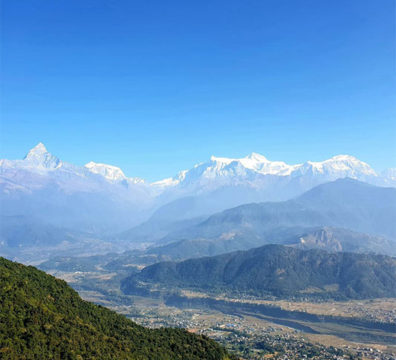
pixel 157 86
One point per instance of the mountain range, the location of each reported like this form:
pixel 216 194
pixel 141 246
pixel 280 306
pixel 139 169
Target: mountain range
pixel 60 193
pixel 355 215
pixel 341 216
pixel 43 195
pixel 324 238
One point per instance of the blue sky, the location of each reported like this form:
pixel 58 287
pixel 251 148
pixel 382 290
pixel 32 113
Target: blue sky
pixel 157 86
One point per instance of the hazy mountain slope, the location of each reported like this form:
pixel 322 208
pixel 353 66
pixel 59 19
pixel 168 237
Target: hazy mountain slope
pixel 277 270
pixel 344 203
pixel 362 206
pixel 336 239
pixel 345 215
pixel 21 232
pixel 41 317
pixel 31 240
pixel 223 183
pixel 160 224
pixel 326 238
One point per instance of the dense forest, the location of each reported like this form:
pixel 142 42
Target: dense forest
pixel 276 270
pixel 41 317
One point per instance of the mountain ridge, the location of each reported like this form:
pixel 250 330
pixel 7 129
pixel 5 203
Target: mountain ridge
pixel 42 317
pixel 344 203
pixel 346 165
pixel 101 200
pixel 276 270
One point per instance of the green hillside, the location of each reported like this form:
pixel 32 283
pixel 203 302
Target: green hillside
pixel 41 317
pixel 276 270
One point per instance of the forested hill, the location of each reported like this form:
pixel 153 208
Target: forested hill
pixel 41 317
pixel 279 271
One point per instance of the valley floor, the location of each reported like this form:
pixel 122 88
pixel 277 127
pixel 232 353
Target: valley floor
pixel 352 329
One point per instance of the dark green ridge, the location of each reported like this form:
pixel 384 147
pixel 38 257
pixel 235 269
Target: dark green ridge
pixel 41 317
pixel 277 270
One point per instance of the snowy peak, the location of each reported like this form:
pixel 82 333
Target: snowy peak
pixel 260 164
pixel 221 171
pixel 257 157
pixel 339 166
pixel 110 172
pixel 254 168
pixel 254 157
pixel 254 171
pixel 220 160
pixel 348 158
pixel 38 149
pixel 347 161
pixel 254 164
pixel 41 158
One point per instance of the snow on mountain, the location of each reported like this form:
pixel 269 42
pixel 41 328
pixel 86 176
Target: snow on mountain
pixel 37 159
pixel 337 167
pixel 40 157
pixel 221 171
pixel 169 182
pixel 264 166
pixel 254 168
pixel 222 183
pixel 110 172
pixel 39 169
pixel 62 193
pixel 217 172
pixel 43 184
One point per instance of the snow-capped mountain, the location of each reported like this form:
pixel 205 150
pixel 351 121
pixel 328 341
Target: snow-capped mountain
pixel 337 167
pixel 43 165
pixel 50 195
pixel 57 192
pixel 220 169
pixel 222 183
pixel 111 173
pixel 253 169
pixel 39 157
pixel 43 185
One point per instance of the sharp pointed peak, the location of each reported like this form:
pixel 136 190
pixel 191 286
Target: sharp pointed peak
pixel 38 149
pixel 39 156
pixel 40 145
